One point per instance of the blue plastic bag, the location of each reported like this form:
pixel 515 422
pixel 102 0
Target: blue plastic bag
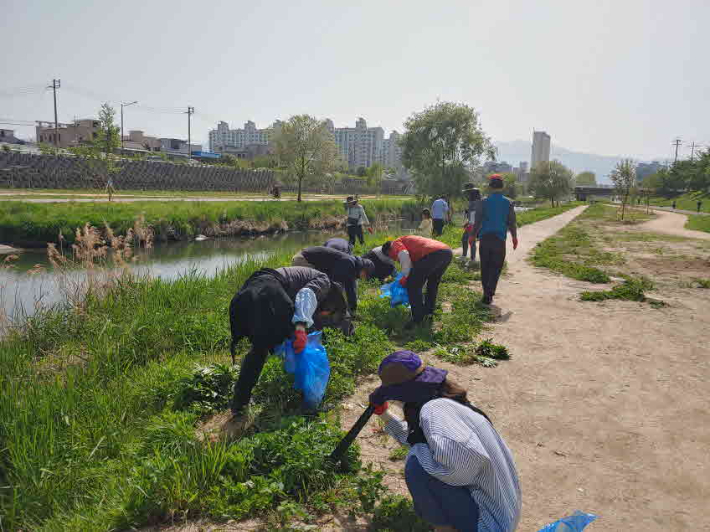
pixel 396 292
pixel 573 523
pixel 310 368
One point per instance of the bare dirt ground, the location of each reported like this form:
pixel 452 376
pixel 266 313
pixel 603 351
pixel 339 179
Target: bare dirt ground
pixel 604 405
pixel 672 223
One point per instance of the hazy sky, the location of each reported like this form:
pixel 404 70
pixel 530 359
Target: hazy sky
pixel 616 77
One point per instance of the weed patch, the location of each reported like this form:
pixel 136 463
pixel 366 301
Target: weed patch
pixel 395 513
pixel 703 283
pixel 485 353
pixel 698 222
pixel 632 289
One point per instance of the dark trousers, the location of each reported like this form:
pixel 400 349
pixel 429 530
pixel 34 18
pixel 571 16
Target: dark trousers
pixel 438 503
pixel 355 231
pixel 438 226
pixel 464 245
pixel 427 270
pixel 492 254
pixel 249 373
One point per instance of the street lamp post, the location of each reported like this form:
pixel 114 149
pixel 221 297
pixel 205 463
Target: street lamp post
pixel 122 106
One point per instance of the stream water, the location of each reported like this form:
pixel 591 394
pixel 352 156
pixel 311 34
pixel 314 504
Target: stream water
pixel 22 292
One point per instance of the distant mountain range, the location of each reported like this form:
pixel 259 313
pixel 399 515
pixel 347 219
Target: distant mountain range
pixel 519 150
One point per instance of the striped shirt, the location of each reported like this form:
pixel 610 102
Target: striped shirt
pixel 465 450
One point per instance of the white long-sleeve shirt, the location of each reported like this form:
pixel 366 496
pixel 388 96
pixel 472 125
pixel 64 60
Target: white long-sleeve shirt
pixel 358 213
pixel 465 450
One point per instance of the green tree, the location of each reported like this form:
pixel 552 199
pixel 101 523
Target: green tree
pixel 361 171
pixel 551 180
pixel 511 187
pixel 588 179
pixel 374 176
pixel 624 178
pixel 109 133
pixel 440 144
pixel 307 148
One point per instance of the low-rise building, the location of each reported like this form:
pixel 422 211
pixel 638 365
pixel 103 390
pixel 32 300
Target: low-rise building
pixel 177 146
pixel 137 140
pixel 68 135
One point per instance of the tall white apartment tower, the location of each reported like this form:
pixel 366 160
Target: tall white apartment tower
pixel 540 148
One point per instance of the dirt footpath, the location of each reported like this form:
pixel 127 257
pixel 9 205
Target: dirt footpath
pixel 672 223
pixel 604 405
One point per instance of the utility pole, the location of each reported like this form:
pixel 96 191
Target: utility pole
pixel 676 142
pixel 692 150
pixel 190 111
pixel 56 83
pixel 122 106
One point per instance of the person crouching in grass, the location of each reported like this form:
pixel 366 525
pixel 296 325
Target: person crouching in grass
pixel 459 471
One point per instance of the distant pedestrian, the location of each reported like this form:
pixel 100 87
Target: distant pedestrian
pixel 356 219
pixel 340 244
pixel 493 221
pixel 473 196
pixel 439 214
pixel 424 261
pixel 673 205
pixel 425 227
pixel 700 205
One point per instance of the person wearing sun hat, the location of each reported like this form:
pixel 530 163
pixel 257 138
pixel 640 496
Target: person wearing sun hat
pixel 459 471
pixel 495 216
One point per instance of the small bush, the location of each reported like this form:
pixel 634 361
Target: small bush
pixel 208 389
pixel 395 513
pixel 496 351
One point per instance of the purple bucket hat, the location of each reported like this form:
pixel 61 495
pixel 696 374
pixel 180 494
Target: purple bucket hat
pixel 406 378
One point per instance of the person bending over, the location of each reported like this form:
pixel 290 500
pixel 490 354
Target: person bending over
pixel 423 261
pixel 384 266
pixel 459 471
pixel 340 244
pixel 338 266
pixel 272 306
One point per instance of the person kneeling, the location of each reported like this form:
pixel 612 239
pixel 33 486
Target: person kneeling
pixel 272 306
pixel 459 471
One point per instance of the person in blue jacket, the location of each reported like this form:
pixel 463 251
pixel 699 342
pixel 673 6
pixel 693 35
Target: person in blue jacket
pixel 494 218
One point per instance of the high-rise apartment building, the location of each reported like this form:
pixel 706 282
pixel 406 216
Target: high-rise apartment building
pixel 392 153
pixel 359 145
pixel 223 139
pixel 540 148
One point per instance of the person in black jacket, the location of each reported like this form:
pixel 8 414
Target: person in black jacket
pixel 338 266
pixel 384 266
pixel 270 307
pixel 339 244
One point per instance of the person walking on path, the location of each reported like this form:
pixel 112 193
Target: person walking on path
pixel 439 213
pixel 340 244
pixel 425 227
pixel 494 219
pixel 384 266
pixel 473 196
pixel 673 205
pixel 424 261
pixel 338 266
pixel 459 471
pixel 700 205
pixel 356 219
pixel 270 307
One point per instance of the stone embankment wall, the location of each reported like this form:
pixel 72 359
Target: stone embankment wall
pixel 22 170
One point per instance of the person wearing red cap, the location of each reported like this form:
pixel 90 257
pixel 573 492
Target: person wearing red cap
pixel 494 218
pixel 459 471
pixel 424 261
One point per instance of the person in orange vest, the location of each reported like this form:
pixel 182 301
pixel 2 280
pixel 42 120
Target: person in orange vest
pixel 423 261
